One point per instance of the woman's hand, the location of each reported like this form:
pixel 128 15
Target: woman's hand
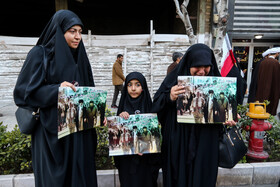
pixel 175 91
pixel 124 115
pixel 68 84
pixel 232 123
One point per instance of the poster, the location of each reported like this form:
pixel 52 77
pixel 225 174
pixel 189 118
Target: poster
pixel 141 133
pixel 207 99
pixel 80 110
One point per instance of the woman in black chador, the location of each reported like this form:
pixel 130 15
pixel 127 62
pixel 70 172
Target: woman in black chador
pixel 189 151
pixel 68 161
pixel 136 170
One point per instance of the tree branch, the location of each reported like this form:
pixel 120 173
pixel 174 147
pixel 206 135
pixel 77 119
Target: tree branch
pixel 178 10
pixel 185 3
pixel 222 10
pixel 183 14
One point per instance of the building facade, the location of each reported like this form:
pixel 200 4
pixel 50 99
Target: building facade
pixel 250 20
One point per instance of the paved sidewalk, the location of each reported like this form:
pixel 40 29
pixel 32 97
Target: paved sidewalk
pixel 242 175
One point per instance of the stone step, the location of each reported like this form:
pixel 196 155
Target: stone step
pixel 266 174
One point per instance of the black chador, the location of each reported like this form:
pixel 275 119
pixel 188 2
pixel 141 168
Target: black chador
pixel 135 170
pixel 57 162
pixel 189 151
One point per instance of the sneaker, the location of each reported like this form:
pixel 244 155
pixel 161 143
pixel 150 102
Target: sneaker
pixel 114 106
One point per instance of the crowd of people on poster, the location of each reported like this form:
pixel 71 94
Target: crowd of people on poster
pixel 207 103
pixel 80 111
pixel 133 137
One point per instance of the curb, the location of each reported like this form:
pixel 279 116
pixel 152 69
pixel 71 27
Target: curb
pixel 265 174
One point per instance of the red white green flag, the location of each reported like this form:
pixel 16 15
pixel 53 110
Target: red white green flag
pixel 228 59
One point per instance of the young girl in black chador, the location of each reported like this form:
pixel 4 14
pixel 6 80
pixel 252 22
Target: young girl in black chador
pixel 136 170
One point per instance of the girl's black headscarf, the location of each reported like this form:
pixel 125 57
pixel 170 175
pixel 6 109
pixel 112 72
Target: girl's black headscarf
pixel 143 103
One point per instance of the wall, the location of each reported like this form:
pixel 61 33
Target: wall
pixel 148 54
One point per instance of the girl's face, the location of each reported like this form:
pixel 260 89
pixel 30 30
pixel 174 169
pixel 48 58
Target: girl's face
pixel 73 36
pixel 134 88
pixel 200 71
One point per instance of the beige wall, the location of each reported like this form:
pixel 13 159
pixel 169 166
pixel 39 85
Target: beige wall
pixel 102 51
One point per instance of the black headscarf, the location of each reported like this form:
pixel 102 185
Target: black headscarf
pixel 61 66
pixel 60 56
pixel 197 55
pixel 143 103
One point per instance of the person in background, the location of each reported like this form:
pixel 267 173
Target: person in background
pixel 254 77
pixel 69 161
pixel 176 57
pixel 265 81
pixel 117 78
pixel 242 72
pixel 272 53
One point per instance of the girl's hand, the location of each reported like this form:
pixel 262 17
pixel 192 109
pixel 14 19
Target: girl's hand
pixel 105 121
pixel 140 154
pixel 124 115
pixel 175 91
pixel 68 84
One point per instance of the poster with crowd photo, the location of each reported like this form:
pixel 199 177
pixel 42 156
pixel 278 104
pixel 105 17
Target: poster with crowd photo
pixel 207 99
pixel 141 133
pixel 80 110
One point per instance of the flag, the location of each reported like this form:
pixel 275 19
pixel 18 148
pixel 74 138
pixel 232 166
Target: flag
pixel 229 69
pixel 228 59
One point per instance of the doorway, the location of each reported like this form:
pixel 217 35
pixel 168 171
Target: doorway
pixel 250 53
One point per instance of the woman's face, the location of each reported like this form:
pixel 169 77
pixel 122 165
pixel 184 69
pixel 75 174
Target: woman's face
pixel 134 88
pixel 200 71
pixel 73 36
